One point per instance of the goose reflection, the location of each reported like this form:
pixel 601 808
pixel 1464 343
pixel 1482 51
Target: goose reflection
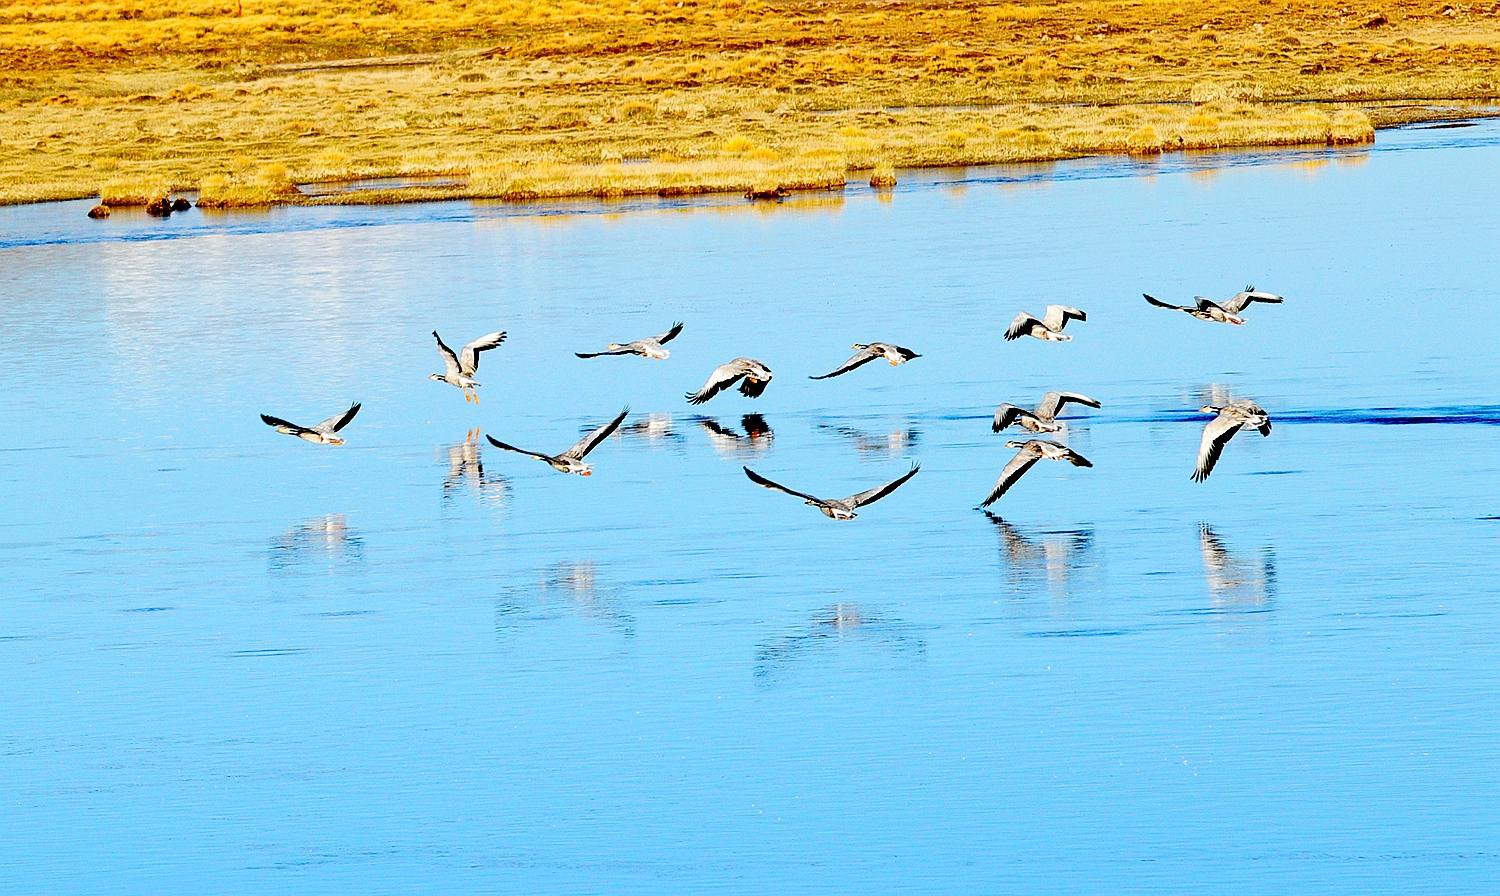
pixel 892 444
pixel 328 538
pixel 567 588
pixel 755 442
pixel 1236 582
pixel 654 428
pixel 466 470
pixel 1052 557
pixel 838 623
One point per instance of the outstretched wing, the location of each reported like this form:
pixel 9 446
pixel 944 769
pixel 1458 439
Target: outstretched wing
pixel 590 441
pixel 1021 326
pixel 468 360
pixel 713 427
pixel 859 360
pixel 752 388
pixel 1059 315
pixel 1160 304
pixel 906 353
pixel 1024 460
pixel 1216 435
pixel 722 378
pixel 499 444
pixel 622 350
pixel 1053 402
pixel 1251 294
pixel 450 360
pixel 1076 459
pixel 1206 303
pixel 277 421
pixel 338 421
pixel 875 494
pixel 1007 414
pixel 670 334
pixel 761 480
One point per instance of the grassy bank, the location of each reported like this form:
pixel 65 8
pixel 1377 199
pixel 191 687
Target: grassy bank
pixel 612 97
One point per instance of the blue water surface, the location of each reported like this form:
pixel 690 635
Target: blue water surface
pixel 237 662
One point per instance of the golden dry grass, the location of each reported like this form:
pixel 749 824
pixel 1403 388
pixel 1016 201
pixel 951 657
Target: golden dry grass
pixel 611 97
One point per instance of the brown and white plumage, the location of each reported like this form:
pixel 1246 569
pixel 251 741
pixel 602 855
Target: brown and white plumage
pixel 1205 309
pixel 1030 452
pixel 461 367
pixel 755 374
pixel 835 508
pixel 867 353
pixel 650 347
pixel 1231 417
pixel 571 461
pixel 1049 328
pixel 324 433
pixel 1044 418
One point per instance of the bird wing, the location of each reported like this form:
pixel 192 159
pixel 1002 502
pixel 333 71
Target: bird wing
pixel 670 334
pixel 1053 402
pixel 468 360
pixel 1205 303
pixel 338 421
pixel 622 350
pixel 1076 459
pixel 1216 435
pixel 1059 315
pixel 590 441
pixel 906 353
pixel 722 378
pixel 761 480
pixel 449 359
pixel 1024 460
pixel 862 358
pixel 1160 304
pixel 875 494
pixel 1007 414
pixel 713 427
pixel 1214 555
pixel 277 421
pixel 1242 299
pixel 499 444
pixel 1021 326
pixel 752 388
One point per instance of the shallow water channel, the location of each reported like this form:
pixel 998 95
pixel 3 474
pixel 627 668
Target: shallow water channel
pixel 237 662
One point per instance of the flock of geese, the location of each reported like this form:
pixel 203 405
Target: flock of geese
pixel 754 376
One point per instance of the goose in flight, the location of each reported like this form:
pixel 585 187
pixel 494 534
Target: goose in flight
pixel 324 433
pixel 1044 418
pixel 571 461
pixel 462 366
pixel 1241 300
pixel 834 508
pixel 755 374
pixel 1049 328
pixel 867 353
pixel 1222 428
pixel 1031 452
pixel 650 347
pixel 1204 310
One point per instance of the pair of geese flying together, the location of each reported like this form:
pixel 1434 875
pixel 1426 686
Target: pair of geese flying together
pixel 1220 312
pixel 756 375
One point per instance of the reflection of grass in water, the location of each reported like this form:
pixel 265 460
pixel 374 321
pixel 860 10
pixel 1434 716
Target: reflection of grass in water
pixel 532 100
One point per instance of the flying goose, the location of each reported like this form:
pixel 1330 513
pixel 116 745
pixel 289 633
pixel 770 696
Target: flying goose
pixel 756 376
pixel 1222 428
pixel 1049 329
pixel 834 508
pixel 1044 418
pixel 650 347
pixel 1031 452
pixel 1204 310
pixel 322 434
pixel 1242 300
pixel 571 461
pixel 462 366
pixel 867 353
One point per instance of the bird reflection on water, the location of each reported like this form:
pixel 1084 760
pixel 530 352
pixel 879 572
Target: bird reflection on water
pixel 653 429
pixel 727 443
pixel 328 538
pixel 1051 557
pixel 838 623
pixel 1237 583
pixel 466 470
pixel 893 444
pixel 567 589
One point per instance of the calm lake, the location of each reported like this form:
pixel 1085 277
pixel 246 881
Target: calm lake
pixel 237 662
